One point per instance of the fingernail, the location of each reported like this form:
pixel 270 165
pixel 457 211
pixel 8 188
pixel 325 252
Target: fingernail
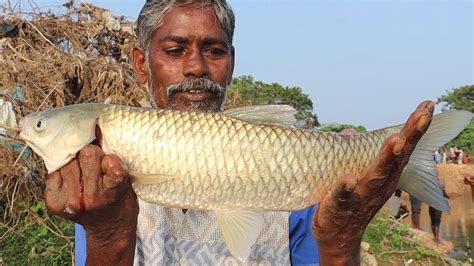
pixel 422 122
pixel 117 172
pixel 69 210
pixel 397 148
pixel 351 185
pixel 430 107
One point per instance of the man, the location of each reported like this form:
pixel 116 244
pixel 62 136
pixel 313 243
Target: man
pixel 415 212
pixel 186 57
pixel 435 215
pixel 469 180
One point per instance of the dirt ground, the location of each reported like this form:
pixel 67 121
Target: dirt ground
pixel 453 175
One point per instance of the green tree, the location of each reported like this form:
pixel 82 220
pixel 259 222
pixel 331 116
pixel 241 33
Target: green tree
pixel 246 91
pixel 338 128
pixel 461 98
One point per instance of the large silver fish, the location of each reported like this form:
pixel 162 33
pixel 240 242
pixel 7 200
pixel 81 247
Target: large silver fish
pixel 238 163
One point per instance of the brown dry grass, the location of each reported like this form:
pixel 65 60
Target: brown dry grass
pixel 56 60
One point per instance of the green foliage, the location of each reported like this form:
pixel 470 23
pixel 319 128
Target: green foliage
pixel 424 252
pixel 461 98
pixel 29 239
pixel 397 237
pixel 465 140
pixel 375 233
pixel 392 242
pixel 338 128
pixel 246 91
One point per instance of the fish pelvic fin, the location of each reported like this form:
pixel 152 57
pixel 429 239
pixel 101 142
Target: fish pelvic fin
pixel 420 176
pixel 269 115
pixel 150 179
pixel 240 230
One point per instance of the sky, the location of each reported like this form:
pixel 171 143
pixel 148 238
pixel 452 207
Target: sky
pixel 366 63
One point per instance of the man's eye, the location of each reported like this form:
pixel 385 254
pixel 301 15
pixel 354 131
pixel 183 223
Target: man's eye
pixel 174 52
pixel 215 52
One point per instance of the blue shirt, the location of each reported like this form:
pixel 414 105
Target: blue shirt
pixel 303 248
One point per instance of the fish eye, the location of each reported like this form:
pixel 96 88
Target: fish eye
pixel 40 124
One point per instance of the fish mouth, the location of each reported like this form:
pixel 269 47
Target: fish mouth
pixel 22 134
pixel 26 138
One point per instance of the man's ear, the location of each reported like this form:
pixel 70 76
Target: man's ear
pixel 232 57
pixel 139 64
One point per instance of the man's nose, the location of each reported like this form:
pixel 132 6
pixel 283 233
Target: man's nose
pixel 195 65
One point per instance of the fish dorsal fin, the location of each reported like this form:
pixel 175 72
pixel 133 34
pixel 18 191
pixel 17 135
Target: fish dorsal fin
pixel 270 115
pixel 150 179
pixel 420 175
pixel 240 230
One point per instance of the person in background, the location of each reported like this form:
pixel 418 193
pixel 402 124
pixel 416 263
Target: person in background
pixel 415 212
pixel 396 207
pixel 435 215
pixel 469 180
pixel 452 155
pixel 456 155
pixel 444 156
pixel 460 156
pixel 437 157
pixel 465 159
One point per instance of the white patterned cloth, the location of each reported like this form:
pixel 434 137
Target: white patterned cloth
pixel 167 236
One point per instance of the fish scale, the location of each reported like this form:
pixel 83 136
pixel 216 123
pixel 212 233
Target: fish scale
pixel 256 167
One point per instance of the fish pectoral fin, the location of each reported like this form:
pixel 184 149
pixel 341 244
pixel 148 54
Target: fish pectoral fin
pixel 240 230
pixel 150 179
pixel 269 115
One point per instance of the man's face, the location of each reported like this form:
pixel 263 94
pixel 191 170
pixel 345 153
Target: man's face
pixel 190 61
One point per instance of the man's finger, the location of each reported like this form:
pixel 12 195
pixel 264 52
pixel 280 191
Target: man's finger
pixel 54 182
pixel 115 171
pixel 90 157
pixel 383 166
pixel 391 148
pixel 70 175
pixel 418 123
pixel 345 188
pixel 334 206
pixel 52 194
pixel 397 149
pixel 426 105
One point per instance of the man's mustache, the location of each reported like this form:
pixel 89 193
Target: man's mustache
pixel 203 84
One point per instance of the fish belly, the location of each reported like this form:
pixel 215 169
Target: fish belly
pixel 216 162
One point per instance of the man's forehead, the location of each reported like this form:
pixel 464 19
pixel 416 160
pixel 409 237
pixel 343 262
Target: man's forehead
pixel 190 20
pixel 190 10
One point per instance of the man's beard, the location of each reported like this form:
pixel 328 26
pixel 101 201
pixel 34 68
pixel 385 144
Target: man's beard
pixel 212 104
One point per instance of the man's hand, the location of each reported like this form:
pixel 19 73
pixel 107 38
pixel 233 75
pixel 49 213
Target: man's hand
pixel 94 190
pixel 344 213
pixel 469 180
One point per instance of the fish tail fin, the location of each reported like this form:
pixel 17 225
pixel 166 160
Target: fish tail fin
pixel 420 176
